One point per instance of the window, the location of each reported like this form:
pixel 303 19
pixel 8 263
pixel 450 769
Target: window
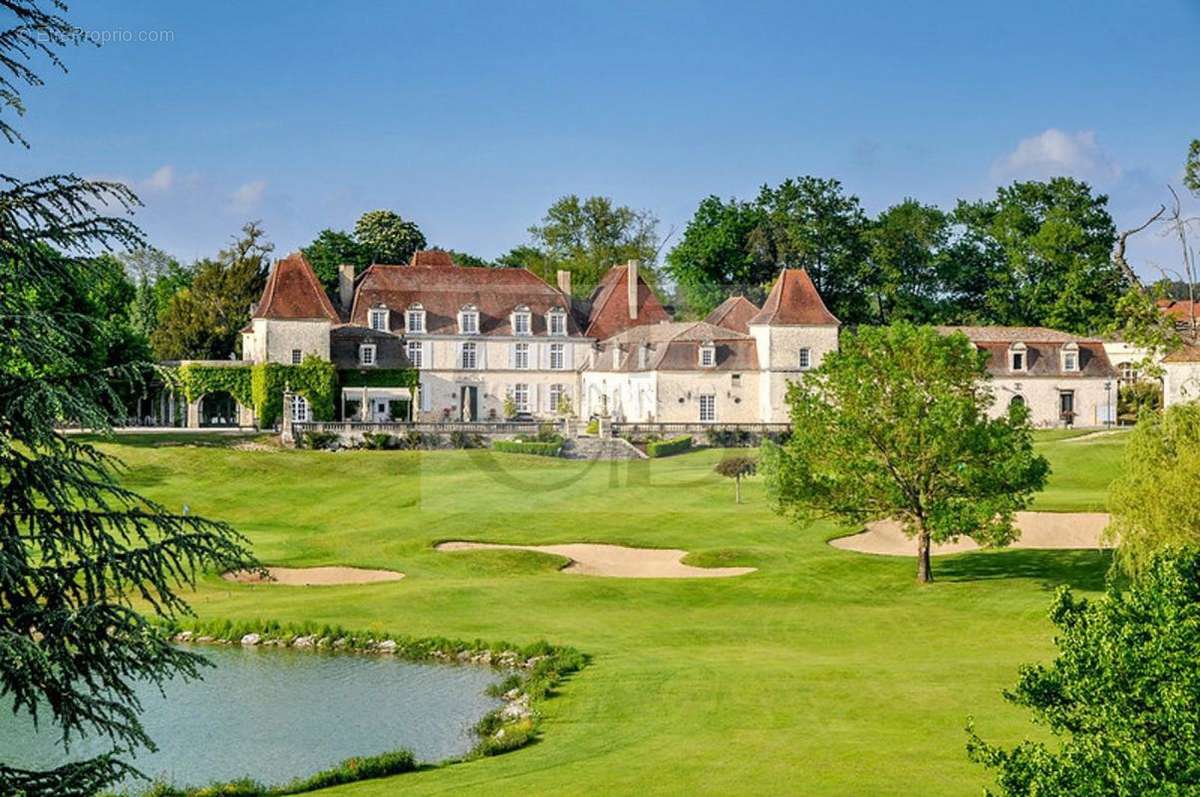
pixel 1016 357
pixel 556 397
pixel 469 360
pixel 297 356
pixel 1127 373
pixel 708 409
pixel 520 355
pixel 379 319
pixel 1070 361
pixel 416 353
pixel 299 408
pixel 415 319
pixel 1066 404
pixel 556 356
pixel 1017 401
pixel 557 322
pixel 520 321
pixel 521 397
pixel 708 355
pixel 468 320
pixel 366 354
pixel 805 359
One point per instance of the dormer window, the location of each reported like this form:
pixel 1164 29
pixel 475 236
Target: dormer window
pixel 1070 357
pixel 366 354
pixel 708 355
pixel 468 320
pixel 521 324
pixel 1017 357
pixel 378 319
pixel 414 319
pixel 556 322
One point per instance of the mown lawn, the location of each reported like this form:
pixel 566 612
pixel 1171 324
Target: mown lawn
pixel 826 672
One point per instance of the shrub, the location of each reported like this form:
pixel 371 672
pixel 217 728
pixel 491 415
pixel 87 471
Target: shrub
pixel 380 442
pixel 666 448
pixel 462 440
pixel 523 447
pixel 318 441
pixel 548 433
pixel 729 438
pixel 593 426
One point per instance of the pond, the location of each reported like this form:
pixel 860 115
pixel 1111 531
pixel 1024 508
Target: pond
pixel 276 714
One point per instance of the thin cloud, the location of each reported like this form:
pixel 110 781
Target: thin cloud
pixel 1054 153
pixel 162 179
pixel 248 196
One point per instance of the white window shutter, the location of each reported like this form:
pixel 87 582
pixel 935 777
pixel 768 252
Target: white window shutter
pixel 427 353
pixel 568 357
pixel 426 398
pixel 536 398
pixel 512 355
pixel 481 355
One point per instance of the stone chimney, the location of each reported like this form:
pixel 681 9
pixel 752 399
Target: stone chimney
pixel 564 281
pixel 346 285
pixel 631 269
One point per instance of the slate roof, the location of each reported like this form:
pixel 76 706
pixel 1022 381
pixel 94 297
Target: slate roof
pixel 733 313
pixel 609 305
pixel 293 292
pixel 794 301
pixel 675 346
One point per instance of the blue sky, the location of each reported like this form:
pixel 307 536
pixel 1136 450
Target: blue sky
pixel 471 118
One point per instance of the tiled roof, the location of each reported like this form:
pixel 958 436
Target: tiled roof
pixel 675 346
pixel 443 291
pixel 1014 334
pixel 1187 353
pixel 293 292
pixel 609 312
pixel 794 301
pixel 432 258
pixel 733 313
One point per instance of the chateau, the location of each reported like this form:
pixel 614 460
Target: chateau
pixel 486 342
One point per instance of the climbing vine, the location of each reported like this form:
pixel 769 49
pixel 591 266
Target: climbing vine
pixel 315 379
pixel 196 380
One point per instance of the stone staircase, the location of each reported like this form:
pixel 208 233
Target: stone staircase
pixel 600 448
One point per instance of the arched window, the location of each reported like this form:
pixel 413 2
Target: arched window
pixel 299 409
pixel 1017 401
pixel 1127 373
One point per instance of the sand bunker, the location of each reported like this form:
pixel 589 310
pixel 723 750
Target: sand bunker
pixel 1038 530
pixel 588 559
pixel 314 576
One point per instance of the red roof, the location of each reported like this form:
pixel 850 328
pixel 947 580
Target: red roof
pixel 733 313
pixel 443 291
pixel 1179 309
pixel 610 305
pixel 292 291
pixel 794 301
pixel 432 258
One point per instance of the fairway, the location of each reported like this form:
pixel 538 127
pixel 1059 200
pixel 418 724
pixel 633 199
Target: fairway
pixel 823 672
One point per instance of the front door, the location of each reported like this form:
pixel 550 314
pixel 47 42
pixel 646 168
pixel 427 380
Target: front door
pixel 1066 406
pixel 380 413
pixel 469 406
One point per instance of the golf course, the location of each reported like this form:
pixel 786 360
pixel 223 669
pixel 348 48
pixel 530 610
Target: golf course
pixel 822 671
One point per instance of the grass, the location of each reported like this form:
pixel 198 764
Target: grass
pixel 826 672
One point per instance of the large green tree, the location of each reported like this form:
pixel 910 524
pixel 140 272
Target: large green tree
pixel 203 321
pixel 589 236
pixel 331 249
pixel 156 277
pixel 908 249
pixel 1042 252
pixel 812 223
pixel 1122 696
pixel 715 259
pixel 895 425
pixel 77 550
pixel 387 237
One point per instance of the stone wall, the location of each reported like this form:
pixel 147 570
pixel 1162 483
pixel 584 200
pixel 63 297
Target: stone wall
pixel 1041 395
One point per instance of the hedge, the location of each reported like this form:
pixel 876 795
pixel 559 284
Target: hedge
pixel 196 380
pixel 666 448
pixel 537 449
pixel 315 379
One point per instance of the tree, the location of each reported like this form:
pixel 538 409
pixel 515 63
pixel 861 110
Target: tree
pixel 531 258
pixel 1191 168
pixel 76 549
pixel 156 277
pixel 333 248
pixel 810 223
pixel 1121 697
pixel 895 425
pixel 908 248
pixel 1152 501
pixel 387 237
pixel 735 468
pixel 588 237
pixel 204 320
pixel 715 259
pixel 1042 251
